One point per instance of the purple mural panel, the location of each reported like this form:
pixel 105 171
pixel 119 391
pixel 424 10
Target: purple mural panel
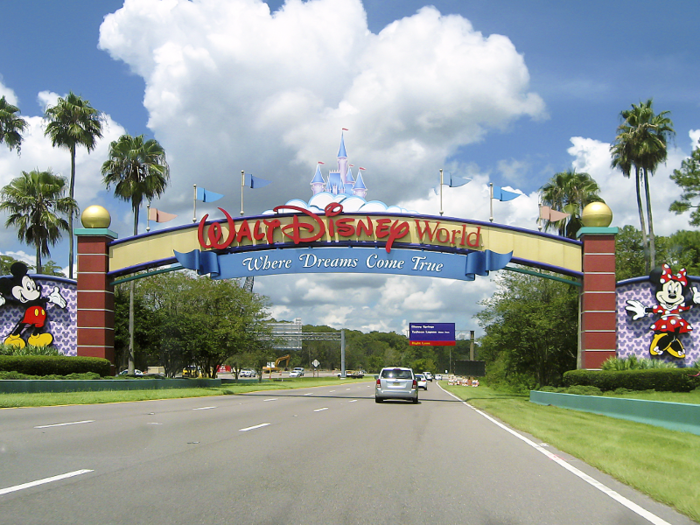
pixel 634 337
pixel 60 322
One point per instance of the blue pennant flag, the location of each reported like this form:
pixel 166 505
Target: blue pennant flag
pixel 207 196
pixel 256 182
pixel 456 182
pixel 504 195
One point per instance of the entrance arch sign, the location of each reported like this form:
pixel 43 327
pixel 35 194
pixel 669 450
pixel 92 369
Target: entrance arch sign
pixel 486 245
pixel 296 240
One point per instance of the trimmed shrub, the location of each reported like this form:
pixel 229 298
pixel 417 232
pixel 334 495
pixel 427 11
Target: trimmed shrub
pixel 660 379
pixel 44 365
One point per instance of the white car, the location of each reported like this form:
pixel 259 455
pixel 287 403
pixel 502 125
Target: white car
pixel 299 370
pixel 396 383
pixel 295 373
pixel 428 376
pixel 422 381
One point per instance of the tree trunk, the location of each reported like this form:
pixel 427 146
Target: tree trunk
pixel 652 239
pixel 71 241
pixel 642 221
pixel 131 328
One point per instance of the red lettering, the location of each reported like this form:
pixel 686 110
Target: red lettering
pixel 477 240
pixel 294 230
pixel 271 226
pixel 422 233
pixel 367 229
pixel 463 236
pixel 440 235
pixel 244 232
pixel 345 226
pixel 216 233
pixel 398 231
pixel 383 228
pixel 257 234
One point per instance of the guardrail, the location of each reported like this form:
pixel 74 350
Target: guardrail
pixel 674 416
pixel 22 386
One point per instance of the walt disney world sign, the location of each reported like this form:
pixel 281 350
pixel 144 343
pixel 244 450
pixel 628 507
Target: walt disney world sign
pixel 333 242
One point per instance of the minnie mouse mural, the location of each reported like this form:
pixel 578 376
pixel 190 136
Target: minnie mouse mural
pixel 674 296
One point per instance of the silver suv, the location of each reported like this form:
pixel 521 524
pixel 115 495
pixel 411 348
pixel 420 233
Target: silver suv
pixel 396 383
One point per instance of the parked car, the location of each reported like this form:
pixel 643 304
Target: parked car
pixel 422 381
pixel 396 383
pixel 428 376
pixel 137 372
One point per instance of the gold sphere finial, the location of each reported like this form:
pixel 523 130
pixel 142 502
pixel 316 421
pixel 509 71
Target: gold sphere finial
pixel 95 217
pixel 597 215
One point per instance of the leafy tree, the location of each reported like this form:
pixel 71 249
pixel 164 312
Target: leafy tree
pixel 137 170
pixel 531 331
pixel 36 206
pixel 203 321
pixel 11 125
pixel 569 192
pixel 6 261
pixel 688 178
pixel 641 142
pixel 73 122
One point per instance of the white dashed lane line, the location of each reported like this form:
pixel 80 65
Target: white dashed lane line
pixel 43 481
pixel 320 409
pixel 253 427
pixel 271 399
pixel 204 408
pixel 66 424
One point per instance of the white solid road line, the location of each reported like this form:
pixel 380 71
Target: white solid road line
pixel 66 424
pixel 43 481
pixel 652 518
pixel 254 427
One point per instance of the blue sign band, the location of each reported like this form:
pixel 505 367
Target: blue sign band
pixel 343 260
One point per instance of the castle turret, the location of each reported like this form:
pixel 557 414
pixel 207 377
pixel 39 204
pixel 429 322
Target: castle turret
pixel 317 183
pixel 342 160
pixel 359 187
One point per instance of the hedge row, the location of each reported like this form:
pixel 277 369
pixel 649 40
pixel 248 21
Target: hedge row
pixel 45 365
pixel 660 379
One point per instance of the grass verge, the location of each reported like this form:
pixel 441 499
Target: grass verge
pixel 661 463
pixel 126 396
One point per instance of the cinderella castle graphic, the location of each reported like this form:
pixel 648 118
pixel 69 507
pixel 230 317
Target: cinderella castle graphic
pixel 340 182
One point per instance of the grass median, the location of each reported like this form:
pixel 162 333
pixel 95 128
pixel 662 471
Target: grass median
pixel 126 396
pixel 661 463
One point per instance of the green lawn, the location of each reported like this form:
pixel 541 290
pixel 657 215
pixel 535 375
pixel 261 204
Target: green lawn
pixel 660 463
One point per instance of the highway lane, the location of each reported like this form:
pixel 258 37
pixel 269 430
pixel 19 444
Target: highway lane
pixel 322 455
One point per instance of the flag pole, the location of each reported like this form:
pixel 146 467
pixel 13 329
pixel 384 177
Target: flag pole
pixel 491 200
pixel 441 191
pixel 242 188
pixel 148 217
pixel 194 213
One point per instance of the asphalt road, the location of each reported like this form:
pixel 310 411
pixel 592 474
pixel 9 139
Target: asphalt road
pixel 326 455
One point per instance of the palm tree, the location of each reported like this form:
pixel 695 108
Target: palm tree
pixel 138 170
pixel 641 142
pixel 36 205
pixel 570 192
pixel 73 122
pixel 11 125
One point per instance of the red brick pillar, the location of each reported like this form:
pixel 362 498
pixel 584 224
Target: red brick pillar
pixel 95 294
pixel 598 299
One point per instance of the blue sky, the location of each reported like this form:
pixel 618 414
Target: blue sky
pixel 507 92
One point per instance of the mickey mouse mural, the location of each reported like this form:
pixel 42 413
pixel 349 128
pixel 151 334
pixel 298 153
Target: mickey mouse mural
pixel 674 296
pixel 23 290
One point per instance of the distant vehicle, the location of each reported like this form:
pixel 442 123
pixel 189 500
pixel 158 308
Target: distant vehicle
pixel 428 376
pixel 353 374
pixel 438 377
pixel 247 373
pixel 396 383
pixel 137 372
pixel 191 371
pixel 299 370
pixel 296 373
pixel 275 367
pixel 422 381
